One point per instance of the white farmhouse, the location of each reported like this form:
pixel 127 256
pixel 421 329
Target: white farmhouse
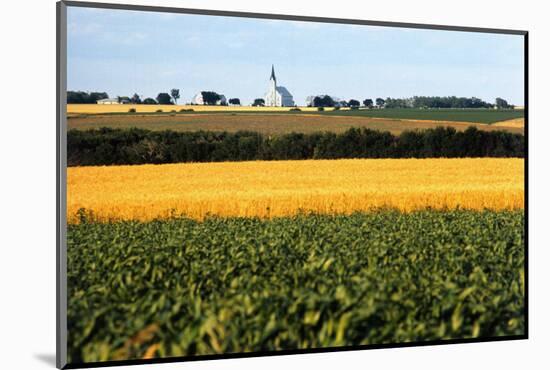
pixel 108 101
pixel 277 96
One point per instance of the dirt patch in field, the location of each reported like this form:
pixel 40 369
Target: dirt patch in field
pixel 511 123
pixel 266 123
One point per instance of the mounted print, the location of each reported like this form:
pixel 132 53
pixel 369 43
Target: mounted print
pixel 238 184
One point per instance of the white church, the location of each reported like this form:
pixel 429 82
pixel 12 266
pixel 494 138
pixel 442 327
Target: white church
pixel 277 96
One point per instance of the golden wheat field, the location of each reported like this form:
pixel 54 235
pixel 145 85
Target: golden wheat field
pixel 282 188
pixel 145 108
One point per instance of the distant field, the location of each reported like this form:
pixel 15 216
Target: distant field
pixel 460 115
pixel 144 108
pixel 455 115
pixel 266 123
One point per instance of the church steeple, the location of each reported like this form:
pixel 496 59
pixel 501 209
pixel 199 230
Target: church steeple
pixel 273 73
pixel 277 96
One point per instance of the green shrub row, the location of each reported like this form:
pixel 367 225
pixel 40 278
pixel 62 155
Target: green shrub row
pixel 135 146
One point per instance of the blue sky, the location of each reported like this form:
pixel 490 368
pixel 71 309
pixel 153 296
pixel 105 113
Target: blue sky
pixel 122 52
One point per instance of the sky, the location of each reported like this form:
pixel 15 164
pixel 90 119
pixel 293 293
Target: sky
pixel 123 52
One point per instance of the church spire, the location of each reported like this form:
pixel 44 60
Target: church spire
pixel 273 73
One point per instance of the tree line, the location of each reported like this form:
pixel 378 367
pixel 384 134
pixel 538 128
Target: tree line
pixel 108 146
pixel 444 102
pixel 213 98
pixel 414 102
pixel 82 97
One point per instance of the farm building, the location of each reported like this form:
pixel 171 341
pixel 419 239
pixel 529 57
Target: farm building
pixel 277 96
pixel 109 101
pixel 199 100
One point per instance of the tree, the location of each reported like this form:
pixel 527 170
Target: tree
pixel 81 97
pixel 175 93
pixel 210 97
pixel 501 103
pixel 353 103
pixel 399 103
pixel 258 102
pixel 235 101
pixel 95 96
pixel 323 101
pixel 380 102
pixel 149 101
pixel 123 99
pixel 368 103
pixel 135 99
pixel 164 98
pixel 76 97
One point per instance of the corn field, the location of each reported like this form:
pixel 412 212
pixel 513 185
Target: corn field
pixel 181 287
